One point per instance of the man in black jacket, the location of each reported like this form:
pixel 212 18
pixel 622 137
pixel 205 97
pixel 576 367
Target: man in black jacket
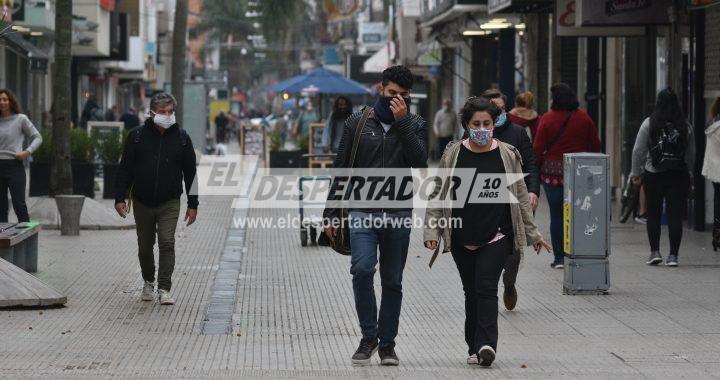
pixel 156 159
pixel 516 136
pixel 391 138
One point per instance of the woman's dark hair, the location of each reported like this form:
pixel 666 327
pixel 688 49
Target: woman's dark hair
pixel 14 105
pixel 398 74
pixel 667 112
pixel 336 104
pixel 563 98
pixel 476 104
pixel 715 109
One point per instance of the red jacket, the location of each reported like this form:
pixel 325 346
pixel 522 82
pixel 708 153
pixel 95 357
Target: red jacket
pixel 525 123
pixel 580 135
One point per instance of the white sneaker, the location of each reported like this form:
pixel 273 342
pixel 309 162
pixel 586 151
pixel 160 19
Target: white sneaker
pixel 148 292
pixel 472 359
pixel 165 298
pixel 487 356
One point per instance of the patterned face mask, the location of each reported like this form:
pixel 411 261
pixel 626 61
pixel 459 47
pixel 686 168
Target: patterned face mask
pixel 501 120
pixel 480 136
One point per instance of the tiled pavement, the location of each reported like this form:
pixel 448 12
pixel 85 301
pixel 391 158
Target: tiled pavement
pixel 294 315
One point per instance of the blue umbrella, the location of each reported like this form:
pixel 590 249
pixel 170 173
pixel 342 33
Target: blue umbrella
pixel 320 81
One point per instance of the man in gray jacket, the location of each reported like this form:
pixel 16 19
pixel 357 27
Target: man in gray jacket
pixel 444 126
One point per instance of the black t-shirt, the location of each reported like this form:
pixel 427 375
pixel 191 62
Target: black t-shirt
pixel 481 221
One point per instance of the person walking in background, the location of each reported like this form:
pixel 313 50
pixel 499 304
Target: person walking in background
pixel 524 115
pixel 392 137
pixel 111 114
pixel 515 135
pixel 664 155
pixel 130 119
pixel 156 159
pixel 335 124
pixel 444 126
pixel 15 127
pixel 566 128
pixel 711 167
pixel 221 126
pixel 302 123
pixel 486 234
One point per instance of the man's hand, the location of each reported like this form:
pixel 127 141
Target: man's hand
pixel 398 107
pixel 542 244
pixel 533 200
pixel 121 208
pixel 190 215
pixel 330 232
pixel 22 155
pixel 636 181
pixel 431 244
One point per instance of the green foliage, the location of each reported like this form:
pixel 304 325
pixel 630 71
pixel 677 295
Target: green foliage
pixel 275 141
pixel 109 146
pixel 82 147
pixel 44 152
pixel 304 143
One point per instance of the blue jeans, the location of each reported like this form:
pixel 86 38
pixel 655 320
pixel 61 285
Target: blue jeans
pixel 555 201
pixel 393 243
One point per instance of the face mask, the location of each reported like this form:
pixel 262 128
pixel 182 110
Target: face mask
pixel 480 136
pixel 164 121
pixel 501 120
pixel 383 111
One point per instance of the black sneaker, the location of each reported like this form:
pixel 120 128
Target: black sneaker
pixel 388 356
pixel 486 356
pixel 368 347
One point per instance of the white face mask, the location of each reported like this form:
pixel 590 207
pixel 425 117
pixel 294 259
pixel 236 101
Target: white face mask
pixel 164 121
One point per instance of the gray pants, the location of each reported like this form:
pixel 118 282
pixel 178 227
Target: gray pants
pixel 512 265
pixel 161 221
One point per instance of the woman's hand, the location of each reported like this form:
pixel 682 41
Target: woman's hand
pixel 542 244
pixel 22 155
pixel 636 181
pixel 431 244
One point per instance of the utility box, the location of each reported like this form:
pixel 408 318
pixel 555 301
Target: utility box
pixel 586 223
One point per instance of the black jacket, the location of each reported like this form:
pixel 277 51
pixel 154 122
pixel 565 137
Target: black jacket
pixel 404 145
pixel 155 165
pixel 516 136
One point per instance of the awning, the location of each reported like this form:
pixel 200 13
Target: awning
pixel 377 62
pixel 31 51
pixel 454 12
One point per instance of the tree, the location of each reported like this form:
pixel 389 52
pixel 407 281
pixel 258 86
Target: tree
pixel 61 169
pixel 178 55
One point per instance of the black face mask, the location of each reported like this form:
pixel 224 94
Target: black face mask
pixel 383 111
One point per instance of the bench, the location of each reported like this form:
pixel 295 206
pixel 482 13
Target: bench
pixel 19 244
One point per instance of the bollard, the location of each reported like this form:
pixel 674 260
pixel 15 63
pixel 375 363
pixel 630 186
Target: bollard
pixel 70 208
pixel 586 223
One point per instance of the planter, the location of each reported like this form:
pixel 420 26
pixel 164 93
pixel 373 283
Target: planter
pixel 39 179
pixel 109 171
pixel 70 208
pixel 83 179
pixel 286 159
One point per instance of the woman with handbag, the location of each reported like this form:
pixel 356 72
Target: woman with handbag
pixel 566 128
pixel 15 127
pixel 711 167
pixel 481 236
pixel 664 154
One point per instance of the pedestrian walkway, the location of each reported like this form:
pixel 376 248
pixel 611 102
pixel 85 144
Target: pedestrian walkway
pixel 294 314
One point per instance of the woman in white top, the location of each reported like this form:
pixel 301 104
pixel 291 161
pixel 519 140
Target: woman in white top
pixel 14 129
pixel 711 166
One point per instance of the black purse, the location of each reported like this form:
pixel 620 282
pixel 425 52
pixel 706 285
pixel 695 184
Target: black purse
pixel 341 243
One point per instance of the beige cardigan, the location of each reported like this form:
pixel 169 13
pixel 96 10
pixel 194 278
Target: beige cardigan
pixel 524 230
